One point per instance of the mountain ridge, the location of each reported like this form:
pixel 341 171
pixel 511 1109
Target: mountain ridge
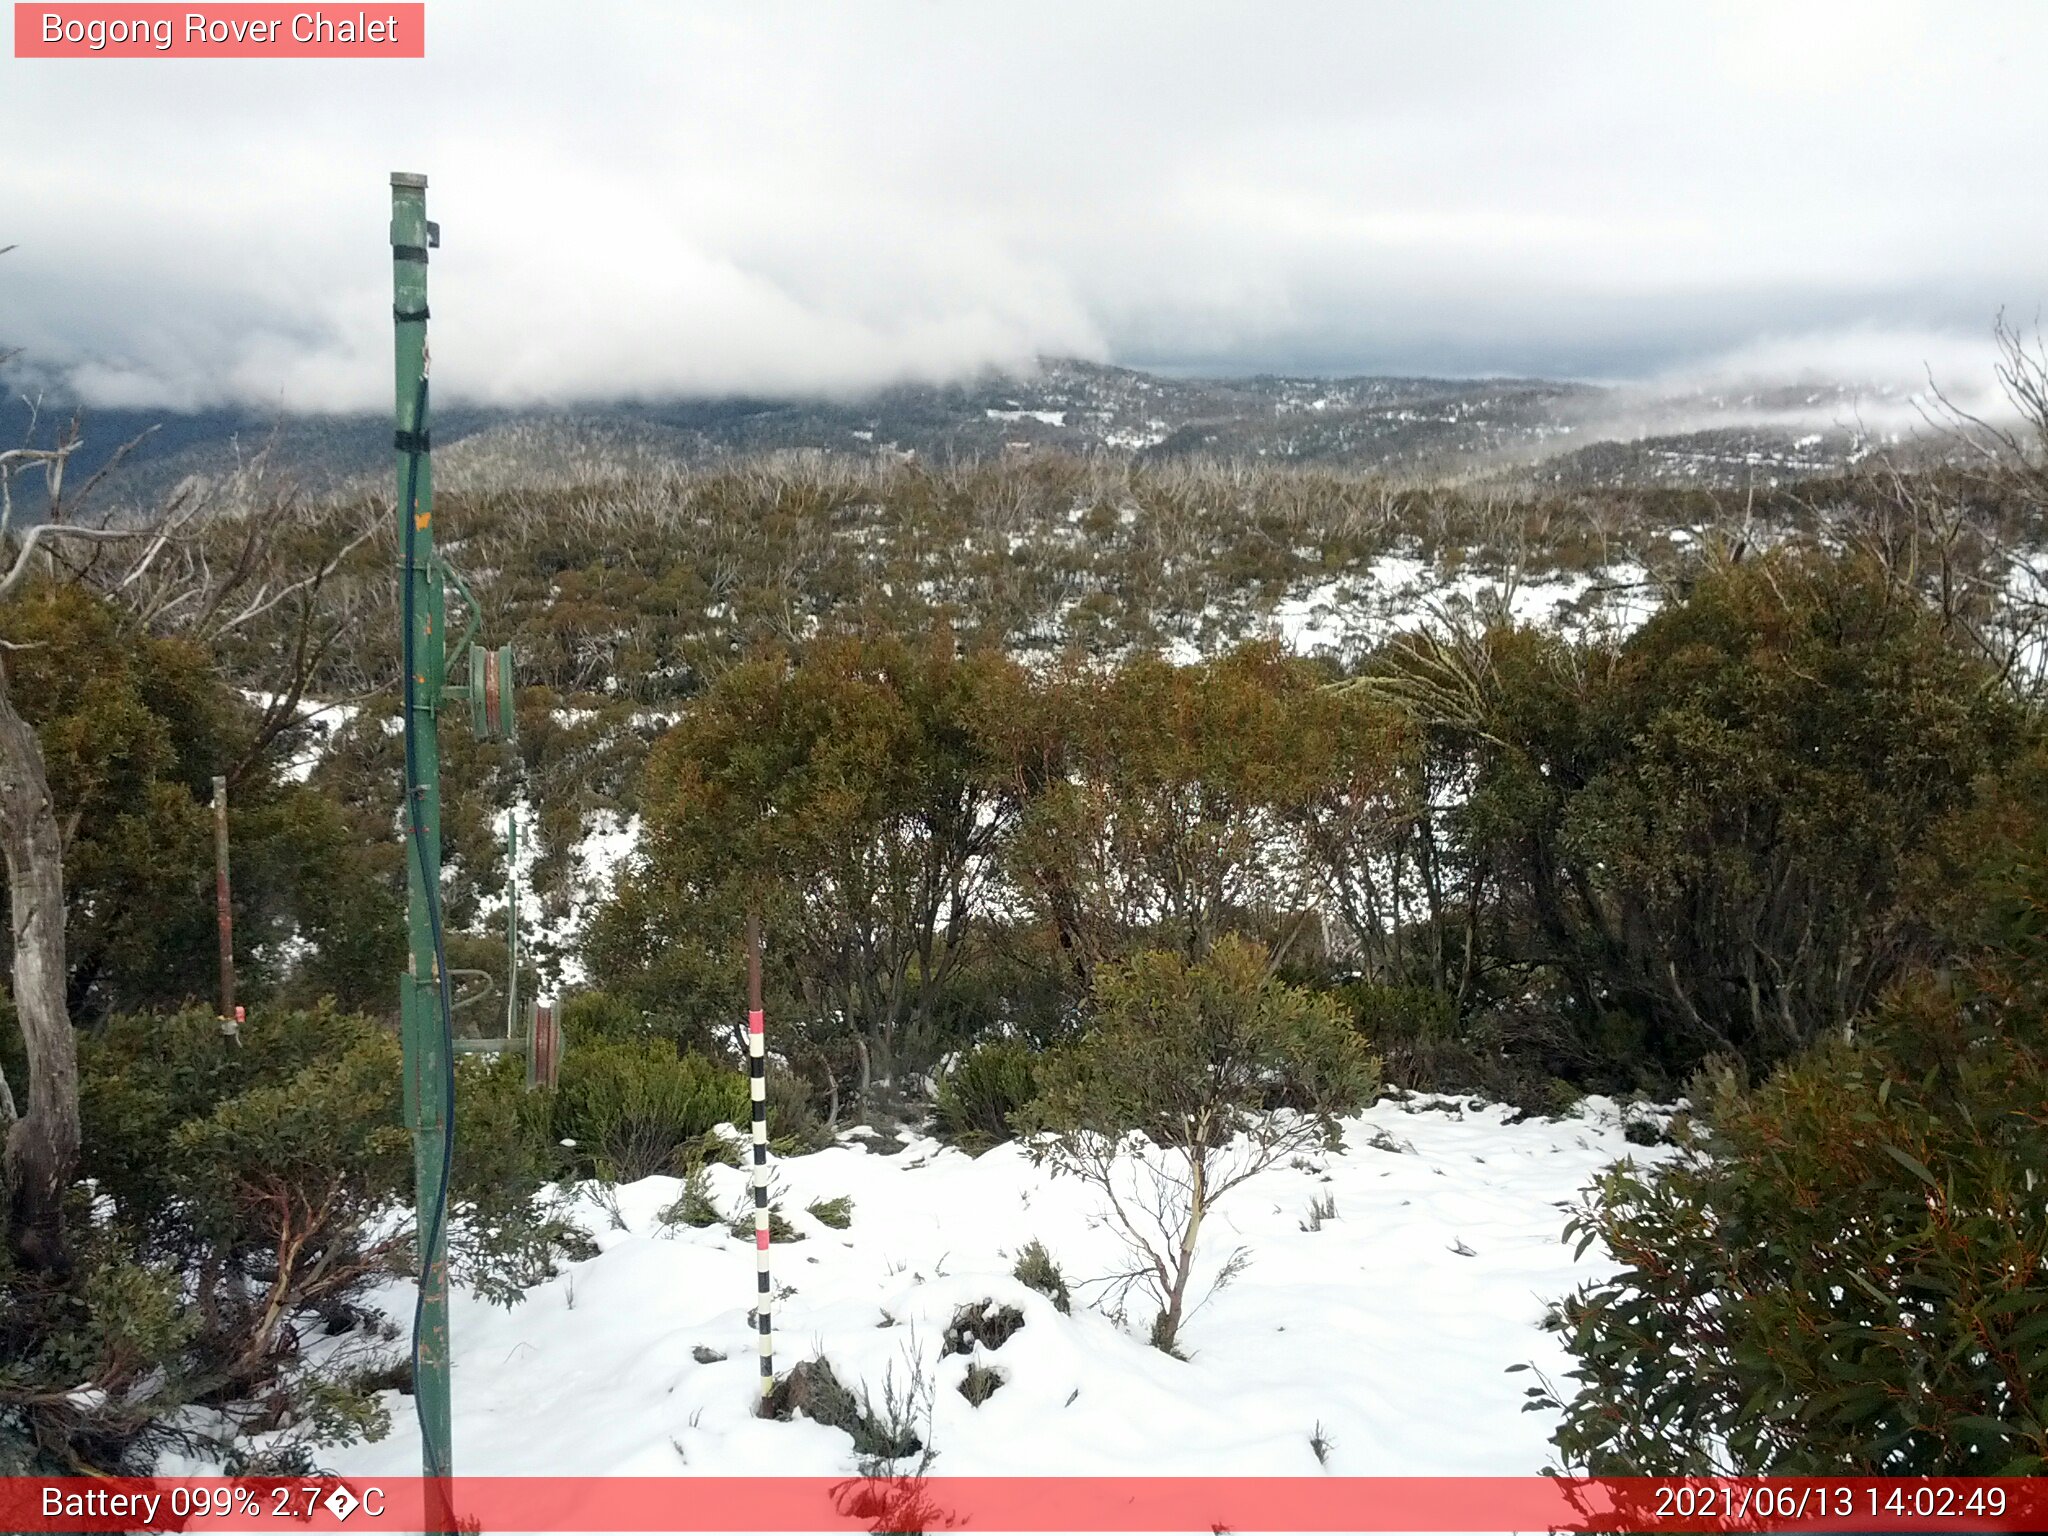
pixel 1551 432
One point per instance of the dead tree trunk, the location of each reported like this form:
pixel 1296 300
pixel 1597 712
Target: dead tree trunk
pixel 42 1144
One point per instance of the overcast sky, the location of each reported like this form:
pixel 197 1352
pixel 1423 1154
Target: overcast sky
pixel 652 199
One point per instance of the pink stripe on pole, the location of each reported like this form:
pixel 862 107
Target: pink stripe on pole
pixel 754 1022
pixel 761 1238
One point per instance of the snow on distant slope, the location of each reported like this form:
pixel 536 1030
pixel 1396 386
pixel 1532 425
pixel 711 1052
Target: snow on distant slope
pixel 1391 1327
pixel 1348 615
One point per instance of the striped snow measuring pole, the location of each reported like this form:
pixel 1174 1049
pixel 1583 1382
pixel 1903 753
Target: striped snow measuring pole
pixel 757 1073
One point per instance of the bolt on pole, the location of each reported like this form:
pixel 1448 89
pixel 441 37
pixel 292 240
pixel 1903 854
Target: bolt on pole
pixel 422 1027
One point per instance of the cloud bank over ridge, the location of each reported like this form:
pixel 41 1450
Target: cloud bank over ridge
pixel 784 198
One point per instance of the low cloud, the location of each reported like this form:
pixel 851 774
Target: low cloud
pixel 799 199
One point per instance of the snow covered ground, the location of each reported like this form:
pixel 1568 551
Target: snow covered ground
pixel 605 850
pixel 1347 616
pixel 1388 1331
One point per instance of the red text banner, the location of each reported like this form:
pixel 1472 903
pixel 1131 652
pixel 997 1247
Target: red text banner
pixel 1046 1504
pixel 241 31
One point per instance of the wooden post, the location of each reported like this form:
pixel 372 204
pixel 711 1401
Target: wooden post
pixel 543 1045
pixel 222 901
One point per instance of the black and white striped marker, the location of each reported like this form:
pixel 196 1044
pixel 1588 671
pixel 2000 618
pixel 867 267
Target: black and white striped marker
pixel 757 1080
pixel 756 1069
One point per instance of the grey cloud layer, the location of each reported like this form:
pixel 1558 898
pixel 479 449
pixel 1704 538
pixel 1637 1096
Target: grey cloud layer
pixel 647 199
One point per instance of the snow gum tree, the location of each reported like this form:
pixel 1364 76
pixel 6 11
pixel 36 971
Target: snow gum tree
pixel 162 583
pixel 1194 1077
pixel 840 792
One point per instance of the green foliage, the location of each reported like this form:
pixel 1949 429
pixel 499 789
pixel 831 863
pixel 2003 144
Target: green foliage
pixel 114 1322
pixel 836 1213
pixel 1414 1031
pixel 597 1014
pixel 1223 1069
pixel 976 1100
pixel 1191 1055
pixel 794 1126
pixel 694 1207
pixel 1709 838
pixel 133 727
pixel 1156 797
pixel 742 1225
pixel 1538 861
pixel 298 1160
pixel 1846 1272
pixel 635 1108
pixel 343 901
pixel 156 1091
pixel 1797 734
pixel 839 792
pixel 241 1189
pixel 507 1237
pixel 980 1383
pixel 1037 1268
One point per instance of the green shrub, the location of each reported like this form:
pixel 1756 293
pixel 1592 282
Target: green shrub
pixel 836 1213
pixel 239 1193
pixel 1842 1270
pixel 600 1015
pixel 1037 1269
pixel 694 1207
pixel 142 1077
pixel 635 1108
pixel 1223 1068
pixel 779 1230
pixel 1844 1275
pixel 507 1237
pixel 794 1125
pixel 977 1100
pixel 1709 837
pixel 980 1383
pixel 1414 1032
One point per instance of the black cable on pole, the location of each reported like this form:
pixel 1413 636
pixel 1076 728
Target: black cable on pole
pixel 415 793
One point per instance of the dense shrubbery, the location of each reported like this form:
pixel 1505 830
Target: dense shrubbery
pixel 1725 847
pixel 1524 861
pixel 1711 838
pixel 845 800
pixel 593 1015
pixel 634 1108
pixel 133 728
pixel 1037 1268
pixel 242 1192
pixel 976 1101
pixel 1845 1272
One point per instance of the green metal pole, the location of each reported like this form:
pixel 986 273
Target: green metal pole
pixel 426 1060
